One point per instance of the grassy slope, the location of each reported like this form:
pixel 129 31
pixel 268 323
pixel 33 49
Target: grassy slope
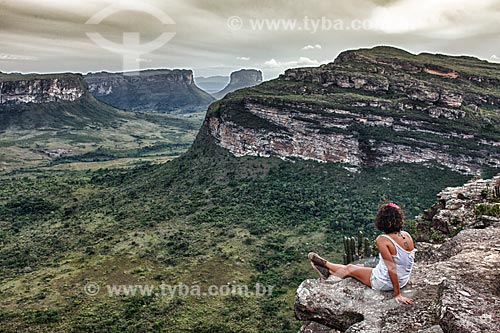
pixel 91 131
pixel 482 123
pixel 462 64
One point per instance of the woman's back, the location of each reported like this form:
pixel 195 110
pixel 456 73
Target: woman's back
pixel 403 254
pixel 403 239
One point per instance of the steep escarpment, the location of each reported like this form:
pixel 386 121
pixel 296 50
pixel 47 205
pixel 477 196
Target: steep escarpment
pixel 19 89
pixel 35 101
pixel 241 79
pixel 455 284
pixel 51 117
pixel 168 91
pixel 370 108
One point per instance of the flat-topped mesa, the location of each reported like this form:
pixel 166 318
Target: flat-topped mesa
pixel 369 108
pixel 161 90
pixel 18 89
pixel 390 71
pixel 243 78
pixel 454 284
pixel 102 83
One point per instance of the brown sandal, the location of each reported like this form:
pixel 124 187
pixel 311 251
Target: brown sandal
pixel 315 258
pixel 323 272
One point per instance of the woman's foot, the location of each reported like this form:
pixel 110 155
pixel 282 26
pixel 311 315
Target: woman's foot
pixel 319 265
pixel 315 258
pixel 323 272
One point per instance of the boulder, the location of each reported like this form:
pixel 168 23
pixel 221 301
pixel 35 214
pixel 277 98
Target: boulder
pixel 455 210
pixel 455 285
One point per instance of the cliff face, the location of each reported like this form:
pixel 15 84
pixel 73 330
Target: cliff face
pixel 50 101
pixel 15 89
pixel 170 91
pixel 370 107
pixel 455 284
pixel 241 79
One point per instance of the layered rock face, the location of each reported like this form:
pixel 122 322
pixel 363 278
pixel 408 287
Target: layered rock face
pixel 241 79
pixel 51 101
pixel 455 285
pixel 457 208
pixel 16 89
pixel 370 107
pixel 170 91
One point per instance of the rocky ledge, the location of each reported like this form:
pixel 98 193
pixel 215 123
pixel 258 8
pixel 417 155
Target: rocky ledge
pixel 455 284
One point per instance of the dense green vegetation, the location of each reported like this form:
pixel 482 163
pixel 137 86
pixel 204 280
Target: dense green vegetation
pixel 206 218
pixel 86 130
pixel 81 113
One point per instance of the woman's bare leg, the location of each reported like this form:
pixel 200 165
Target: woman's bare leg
pixel 360 273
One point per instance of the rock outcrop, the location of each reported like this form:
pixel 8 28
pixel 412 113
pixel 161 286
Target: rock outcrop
pixel 370 108
pixel 168 91
pixel 51 101
pixel 455 285
pixel 241 79
pixel 458 208
pixel 24 89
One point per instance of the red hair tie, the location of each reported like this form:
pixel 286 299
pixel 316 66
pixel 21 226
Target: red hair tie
pixel 393 205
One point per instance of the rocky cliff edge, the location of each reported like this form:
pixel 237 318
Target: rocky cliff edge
pixel 455 284
pixel 16 89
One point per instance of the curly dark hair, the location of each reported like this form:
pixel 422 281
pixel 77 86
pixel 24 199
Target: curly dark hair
pixel 390 218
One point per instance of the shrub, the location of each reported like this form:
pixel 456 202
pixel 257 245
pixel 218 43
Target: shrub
pixel 489 210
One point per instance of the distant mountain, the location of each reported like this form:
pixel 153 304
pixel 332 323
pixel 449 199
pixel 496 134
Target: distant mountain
pixel 46 117
pixel 36 101
pixel 165 91
pixel 212 84
pixel 241 79
pixel 368 108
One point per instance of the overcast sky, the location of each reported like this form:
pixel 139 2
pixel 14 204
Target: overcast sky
pixel 217 37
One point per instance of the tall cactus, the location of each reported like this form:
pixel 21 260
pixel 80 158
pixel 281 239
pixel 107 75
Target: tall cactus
pixel 353 251
pixel 347 251
pixel 352 244
pixel 360 242
pixel 367 250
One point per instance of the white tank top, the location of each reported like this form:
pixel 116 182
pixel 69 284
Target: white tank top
pixel 404 263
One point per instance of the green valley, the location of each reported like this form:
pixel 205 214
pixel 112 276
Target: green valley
pixel 276 171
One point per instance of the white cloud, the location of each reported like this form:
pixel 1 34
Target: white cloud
pixel 243 58
pixel 272 64
pixel 6 56
pixel 143 60
pixel 312 47
pixel 444 18
pixel 494 58
pixel 301 62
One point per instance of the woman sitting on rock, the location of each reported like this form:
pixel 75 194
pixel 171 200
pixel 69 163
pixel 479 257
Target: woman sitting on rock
pixel 397 255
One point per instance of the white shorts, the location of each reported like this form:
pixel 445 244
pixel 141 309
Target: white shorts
pixel 379 285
